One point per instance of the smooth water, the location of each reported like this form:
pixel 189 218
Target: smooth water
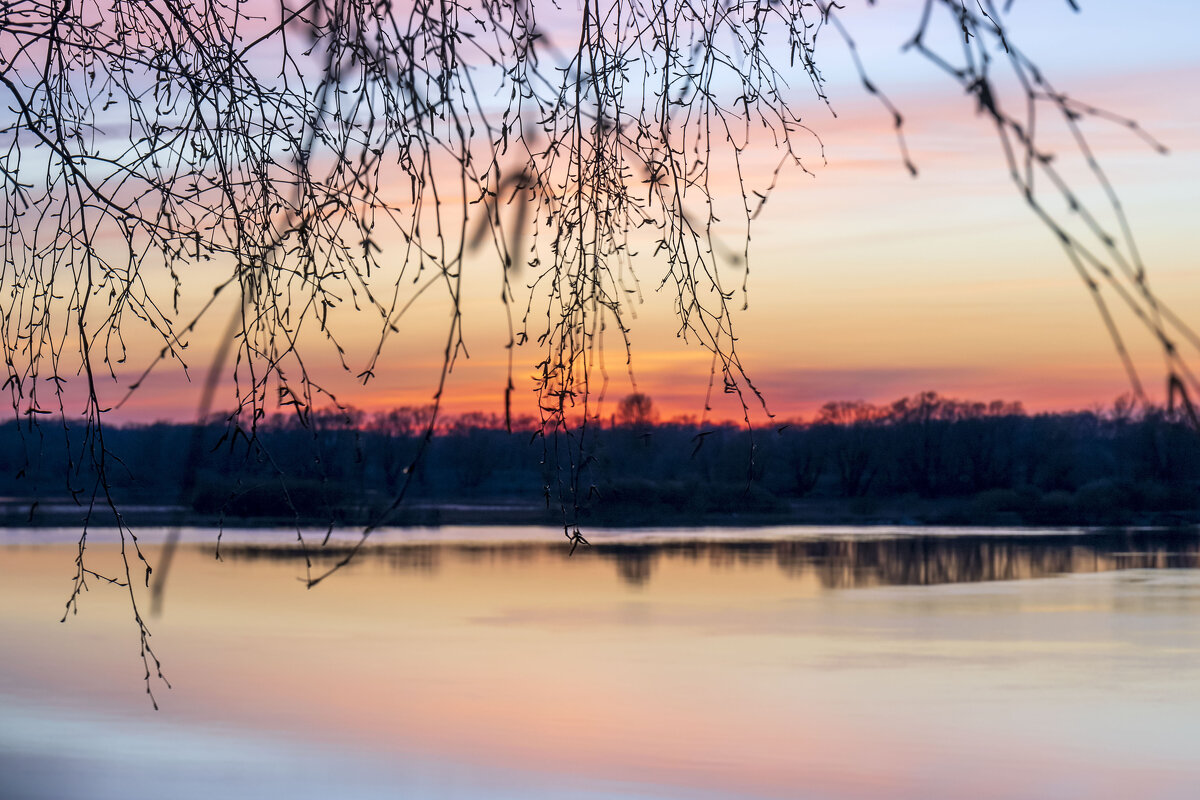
pixel 487 663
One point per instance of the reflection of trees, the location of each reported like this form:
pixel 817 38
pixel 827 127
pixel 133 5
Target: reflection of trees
pixel 926 561
pixel 836 563
pixel 634 563
pixel 424 558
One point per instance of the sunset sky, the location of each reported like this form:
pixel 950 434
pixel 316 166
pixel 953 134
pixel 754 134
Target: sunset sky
pixel 868 284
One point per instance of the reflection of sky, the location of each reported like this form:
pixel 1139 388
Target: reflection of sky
pixel 497 676
pixel 114 757
pixel 866 284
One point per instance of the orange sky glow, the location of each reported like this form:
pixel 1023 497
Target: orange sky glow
pixel 864 283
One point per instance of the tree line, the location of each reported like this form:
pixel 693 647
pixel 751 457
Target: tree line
pixel 924 458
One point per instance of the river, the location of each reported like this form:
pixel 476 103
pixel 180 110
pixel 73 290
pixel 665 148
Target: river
pixel 489 663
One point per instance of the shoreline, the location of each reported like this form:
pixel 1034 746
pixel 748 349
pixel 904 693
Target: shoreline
pixel 882 513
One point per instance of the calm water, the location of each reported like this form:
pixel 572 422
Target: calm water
pixel 486 663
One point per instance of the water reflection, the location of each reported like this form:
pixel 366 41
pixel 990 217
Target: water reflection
pixel 701 669
pixel 835 563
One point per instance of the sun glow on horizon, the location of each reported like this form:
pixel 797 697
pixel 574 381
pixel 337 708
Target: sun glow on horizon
pixel 864 284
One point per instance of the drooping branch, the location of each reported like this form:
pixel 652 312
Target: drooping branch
pixel 329 162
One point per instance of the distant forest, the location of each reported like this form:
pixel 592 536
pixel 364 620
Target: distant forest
pixel 924 459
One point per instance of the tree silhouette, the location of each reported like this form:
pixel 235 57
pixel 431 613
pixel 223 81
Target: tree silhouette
pixel 349 154
pixel 636 410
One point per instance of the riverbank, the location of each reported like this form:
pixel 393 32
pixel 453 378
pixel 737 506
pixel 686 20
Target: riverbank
pixel 1010 510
